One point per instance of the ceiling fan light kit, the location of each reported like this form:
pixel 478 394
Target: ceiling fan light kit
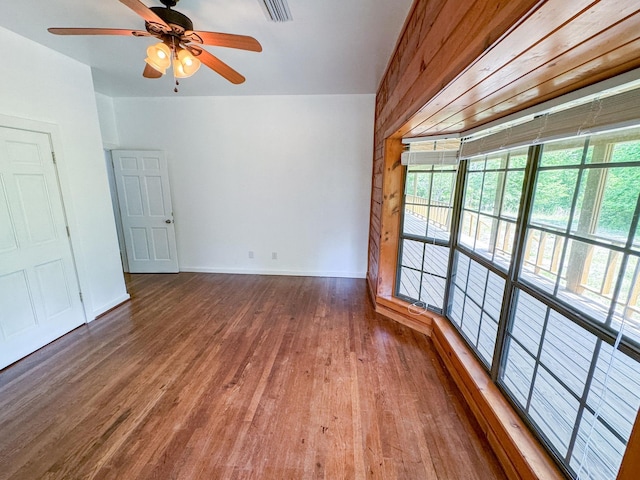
pixel 180 45
pixel 185 64
pixel 159 57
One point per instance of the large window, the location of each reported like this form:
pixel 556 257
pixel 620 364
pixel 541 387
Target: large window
pixel 544 283
pixel 575 289
pixel 492 192
pixel 555 371
pixel 490 206
pixel 476 301
pixel 581 247
pixel 426 231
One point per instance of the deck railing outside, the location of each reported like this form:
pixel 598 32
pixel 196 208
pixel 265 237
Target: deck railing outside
pixel 438 213
pixel 542 256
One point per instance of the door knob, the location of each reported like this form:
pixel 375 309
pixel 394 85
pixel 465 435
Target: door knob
pixel 167 221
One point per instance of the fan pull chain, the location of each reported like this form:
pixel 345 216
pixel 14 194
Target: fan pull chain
pixel 173 69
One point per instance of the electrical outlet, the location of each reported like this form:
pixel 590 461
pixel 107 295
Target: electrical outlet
pixel 250 254
pixel 274 255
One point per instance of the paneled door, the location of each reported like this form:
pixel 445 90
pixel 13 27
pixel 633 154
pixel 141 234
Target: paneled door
pixel 142 183
pixel 39 293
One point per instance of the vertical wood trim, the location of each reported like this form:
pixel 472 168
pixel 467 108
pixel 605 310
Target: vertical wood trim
pixel 392 190
pixel 631 460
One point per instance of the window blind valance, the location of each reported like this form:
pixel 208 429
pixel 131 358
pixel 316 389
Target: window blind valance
pixel 436 157
pixel 608 113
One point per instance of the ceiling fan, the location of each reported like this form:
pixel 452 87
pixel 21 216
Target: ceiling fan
pixel 180 45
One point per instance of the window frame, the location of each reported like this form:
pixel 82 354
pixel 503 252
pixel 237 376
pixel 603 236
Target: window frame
pixel 425 240
pixel 514 283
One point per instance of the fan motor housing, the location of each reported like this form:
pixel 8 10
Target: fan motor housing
pixel 178 22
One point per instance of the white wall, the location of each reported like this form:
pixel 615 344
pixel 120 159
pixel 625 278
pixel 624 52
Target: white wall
pixel 284 174
pixel 45 86
pixel 107 120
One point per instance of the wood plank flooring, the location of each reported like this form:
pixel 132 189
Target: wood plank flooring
pixel 204 376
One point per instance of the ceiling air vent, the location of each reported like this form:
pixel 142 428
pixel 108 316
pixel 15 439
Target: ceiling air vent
pixel 277 10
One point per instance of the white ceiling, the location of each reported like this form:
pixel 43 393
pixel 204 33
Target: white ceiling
pixel 330 47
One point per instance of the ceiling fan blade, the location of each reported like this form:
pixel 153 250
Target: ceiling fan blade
pixel 145 12
pixel 150 72
pixel 98 31
pixel 229 40
pixel 217 65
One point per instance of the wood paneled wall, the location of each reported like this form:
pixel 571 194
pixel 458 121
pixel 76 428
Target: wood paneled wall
pixel 560 47
pixel 439 40
pixel 459 64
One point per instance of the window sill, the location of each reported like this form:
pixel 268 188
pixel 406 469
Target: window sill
pixel 398 310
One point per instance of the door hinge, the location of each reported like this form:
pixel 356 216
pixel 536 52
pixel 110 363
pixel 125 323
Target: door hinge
pixel 53 156
pixel 68 231
pixel 80 294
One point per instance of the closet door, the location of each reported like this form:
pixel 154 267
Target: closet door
pixel 142 183
pixel 39 293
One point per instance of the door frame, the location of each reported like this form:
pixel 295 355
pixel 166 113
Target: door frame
pixel 113 185
pixel 115 204
pixel 55 142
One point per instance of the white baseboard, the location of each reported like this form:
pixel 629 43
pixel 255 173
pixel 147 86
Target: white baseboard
pixel 292 273
pixel 112 304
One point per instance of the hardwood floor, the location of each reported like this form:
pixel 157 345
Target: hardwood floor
pixel 204 376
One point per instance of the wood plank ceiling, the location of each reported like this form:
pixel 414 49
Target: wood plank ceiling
pixel 558 47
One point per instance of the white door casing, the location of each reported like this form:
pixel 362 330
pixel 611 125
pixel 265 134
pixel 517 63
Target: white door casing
pixel 39 292
pixel 142 183
pixel 116 210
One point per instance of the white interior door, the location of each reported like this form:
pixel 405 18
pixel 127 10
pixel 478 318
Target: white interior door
pixel 39 293
pixel 142 183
